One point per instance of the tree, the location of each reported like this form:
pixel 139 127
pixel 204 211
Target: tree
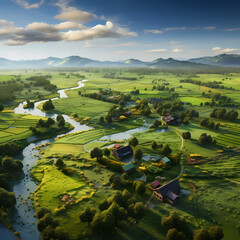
pixel 108 118
pixel 133 142
pixel 140 187
pixel 139 210
pixel 48 105
pixel 174 221
pixel 104 205
pixel 101 119
pixel 186 135
pixel 157 123
pixel 97 223
pixel 96 152
pixel 174 234
pixel 1 107
pixel 59 163
pixel 201 234
pixel 40 212
pixel 166 150
pixel 49 122
pixel 87 215
pixel 7 199
pixel 106 152
pixel 60 117
pixel 60 234
pixel 9 164
pixel 154 145
pixel 61 123
pixel 216 233
pixel 138 154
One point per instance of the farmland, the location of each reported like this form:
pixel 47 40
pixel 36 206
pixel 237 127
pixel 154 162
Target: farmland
pixel 85 180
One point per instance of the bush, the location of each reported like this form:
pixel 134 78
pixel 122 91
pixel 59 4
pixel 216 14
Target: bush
pixel 166 150
pixel 201 234
pixel 174 234
pixel 174 221
pixel 186 135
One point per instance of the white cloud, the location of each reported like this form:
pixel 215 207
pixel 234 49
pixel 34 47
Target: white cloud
pixel 75 15
pixel 229 50
pixel 26 5
pixel 216 48
pixel 232 29
pixel 209 28
pixel 156 50
pixel 99 31
pixel 174 42
pixel 154 31
pixel 121 52
pixel 175 28
pixel 42 32
pixel 176 50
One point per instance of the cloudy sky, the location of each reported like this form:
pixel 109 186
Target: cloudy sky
pixel 118 29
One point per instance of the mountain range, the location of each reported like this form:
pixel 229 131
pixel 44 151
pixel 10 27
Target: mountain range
pixel 229 60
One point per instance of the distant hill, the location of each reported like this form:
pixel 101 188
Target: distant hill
pixel 231 60
pixel 78 62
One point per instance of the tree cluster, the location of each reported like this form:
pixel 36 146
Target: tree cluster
pixel 48 105
pixel 213 84
pixel 144 107
pixel 213 233
pixel 205 139
pixel 208 123
pixel 223 114
pixel 10 165
pixel 10 149
pixel 175 225
pixel 113 210
pixel 7 199
pixel 49 226
pixel 40 81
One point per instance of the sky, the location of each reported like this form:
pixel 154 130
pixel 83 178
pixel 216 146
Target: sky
pixel 118 29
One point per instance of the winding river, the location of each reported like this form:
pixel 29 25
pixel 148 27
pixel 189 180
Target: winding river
pixel 22 216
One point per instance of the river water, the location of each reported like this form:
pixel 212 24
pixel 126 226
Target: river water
pixel 22 215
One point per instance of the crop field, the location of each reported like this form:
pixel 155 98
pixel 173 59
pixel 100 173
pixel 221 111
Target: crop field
pixel 231 138
pixel 15 127
pixel 82 137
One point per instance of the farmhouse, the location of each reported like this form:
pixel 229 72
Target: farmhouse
pixel 129 167
pixel 123 152
pixel 166 161
pixel 168 192
pixel 172 120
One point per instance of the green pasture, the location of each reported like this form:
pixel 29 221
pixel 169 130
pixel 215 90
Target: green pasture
pixel 84 107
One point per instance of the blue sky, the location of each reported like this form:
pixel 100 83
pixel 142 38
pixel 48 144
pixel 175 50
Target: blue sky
pixel 118 29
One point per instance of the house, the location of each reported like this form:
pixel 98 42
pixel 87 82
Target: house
pixel 123 152
pixel 154 100
pixel 166 161
pixel 172 120
pixel 127 114
pixel 156 184
pixel 168 192
pixel 116 146
pixel 129 167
